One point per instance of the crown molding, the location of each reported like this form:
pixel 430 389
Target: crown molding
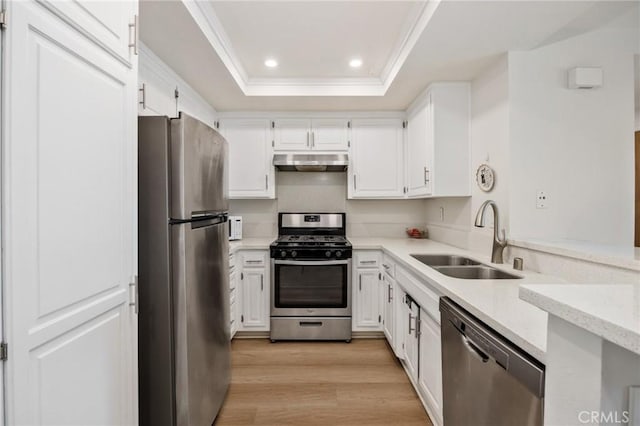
pixel 205 17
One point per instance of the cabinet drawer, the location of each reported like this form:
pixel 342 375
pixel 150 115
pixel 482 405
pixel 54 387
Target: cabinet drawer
pixel 254 259
pixel 367 259
pixel 389 266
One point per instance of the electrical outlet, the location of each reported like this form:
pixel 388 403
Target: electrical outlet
pixel 542 201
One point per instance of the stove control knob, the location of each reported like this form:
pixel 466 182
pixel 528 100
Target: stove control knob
pixel 294 253
pixel 338 253
pixel 328 253
pixel 283 253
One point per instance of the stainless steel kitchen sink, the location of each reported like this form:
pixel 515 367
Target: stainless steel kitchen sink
pixel 477 272
pixel 444 260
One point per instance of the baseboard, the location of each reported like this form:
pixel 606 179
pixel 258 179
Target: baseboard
pixel 265 335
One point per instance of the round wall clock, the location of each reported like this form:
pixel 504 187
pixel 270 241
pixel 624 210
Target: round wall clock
pixel 485 178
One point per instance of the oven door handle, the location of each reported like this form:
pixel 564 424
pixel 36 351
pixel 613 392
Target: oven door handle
pixel 311 262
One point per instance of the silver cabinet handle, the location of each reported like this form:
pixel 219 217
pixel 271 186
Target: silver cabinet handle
pixel 253 261
pixel 367 262
pixel 411 330
pixel 143 90
pixel 313 139
pixel 266 181
pixel 360 282
pixel 389 298
pixel 355 186
pixel 307 139
pixel 425 175
pixel 261 282
pixel 134 43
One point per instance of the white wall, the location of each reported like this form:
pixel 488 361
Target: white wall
pixel 576 145
pixel 160 83
pixel 327 192
pixel 489 144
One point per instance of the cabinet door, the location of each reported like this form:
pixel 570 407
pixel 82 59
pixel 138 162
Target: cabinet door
pixel 420 151
pixel 430 381
pixel 69 222
pixel 251 173
pixel 255 301
pixel 329 134
pixel 108 22
pixel 367 300
pixel 388 311
pixel 292 134
pixel 377 159
pixel 411 348
pixel 156 98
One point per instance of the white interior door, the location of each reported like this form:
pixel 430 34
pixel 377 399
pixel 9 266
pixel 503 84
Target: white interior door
pixel 69 229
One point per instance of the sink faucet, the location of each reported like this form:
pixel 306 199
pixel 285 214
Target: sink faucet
pixel 498 243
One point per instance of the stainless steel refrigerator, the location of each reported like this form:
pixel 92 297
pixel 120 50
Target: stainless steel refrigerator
pixel 183 322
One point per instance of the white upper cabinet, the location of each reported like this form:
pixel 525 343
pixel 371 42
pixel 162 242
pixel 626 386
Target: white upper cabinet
pixel 438 142
pixel 111 24
pixel 251 173
pixel 376 169
pixel 302 134
pixel 329 134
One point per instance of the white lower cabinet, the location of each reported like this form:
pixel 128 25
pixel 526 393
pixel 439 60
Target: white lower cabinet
pixel 430 376
pixel 254 284
pixel 416 337
pixel 412 337
pixel 367 315
pixel 233 297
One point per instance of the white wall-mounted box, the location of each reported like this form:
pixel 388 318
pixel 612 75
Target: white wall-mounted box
pixel 585 78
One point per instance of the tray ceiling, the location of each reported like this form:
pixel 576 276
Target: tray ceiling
pixel 219 47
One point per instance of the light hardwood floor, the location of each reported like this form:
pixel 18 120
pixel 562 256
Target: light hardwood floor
pixel 318 383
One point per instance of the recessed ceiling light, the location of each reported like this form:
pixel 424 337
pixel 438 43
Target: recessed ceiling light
pixel 355 63
pixel 271 63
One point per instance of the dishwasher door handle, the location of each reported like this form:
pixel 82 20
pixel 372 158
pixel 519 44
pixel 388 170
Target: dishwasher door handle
pixel 473 348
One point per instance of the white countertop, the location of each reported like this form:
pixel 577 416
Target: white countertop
pixel 609 311
pixel 250 244
pixel 495 302
pixel 623 257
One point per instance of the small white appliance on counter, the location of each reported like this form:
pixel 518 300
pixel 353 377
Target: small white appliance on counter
pixel 235 227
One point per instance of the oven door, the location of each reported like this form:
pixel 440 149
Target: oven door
pixel 311 287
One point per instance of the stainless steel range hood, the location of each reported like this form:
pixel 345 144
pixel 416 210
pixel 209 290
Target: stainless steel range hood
pixel 311 162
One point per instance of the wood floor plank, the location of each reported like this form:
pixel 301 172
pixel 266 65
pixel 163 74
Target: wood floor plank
pixel 319 383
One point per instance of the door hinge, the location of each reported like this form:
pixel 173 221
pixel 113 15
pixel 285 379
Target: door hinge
pixel 3 19
pixel 176 93
pixel 4 351
pixel 134 43
pixel 133 293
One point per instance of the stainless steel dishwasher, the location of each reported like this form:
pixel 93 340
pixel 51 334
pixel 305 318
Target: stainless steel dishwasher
pixel 486 380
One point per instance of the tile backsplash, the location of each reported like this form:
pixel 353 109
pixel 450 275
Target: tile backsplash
pixel 327 192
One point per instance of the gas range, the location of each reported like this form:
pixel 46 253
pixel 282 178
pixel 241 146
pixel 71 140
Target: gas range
pixel 311 237
pixel 311 278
